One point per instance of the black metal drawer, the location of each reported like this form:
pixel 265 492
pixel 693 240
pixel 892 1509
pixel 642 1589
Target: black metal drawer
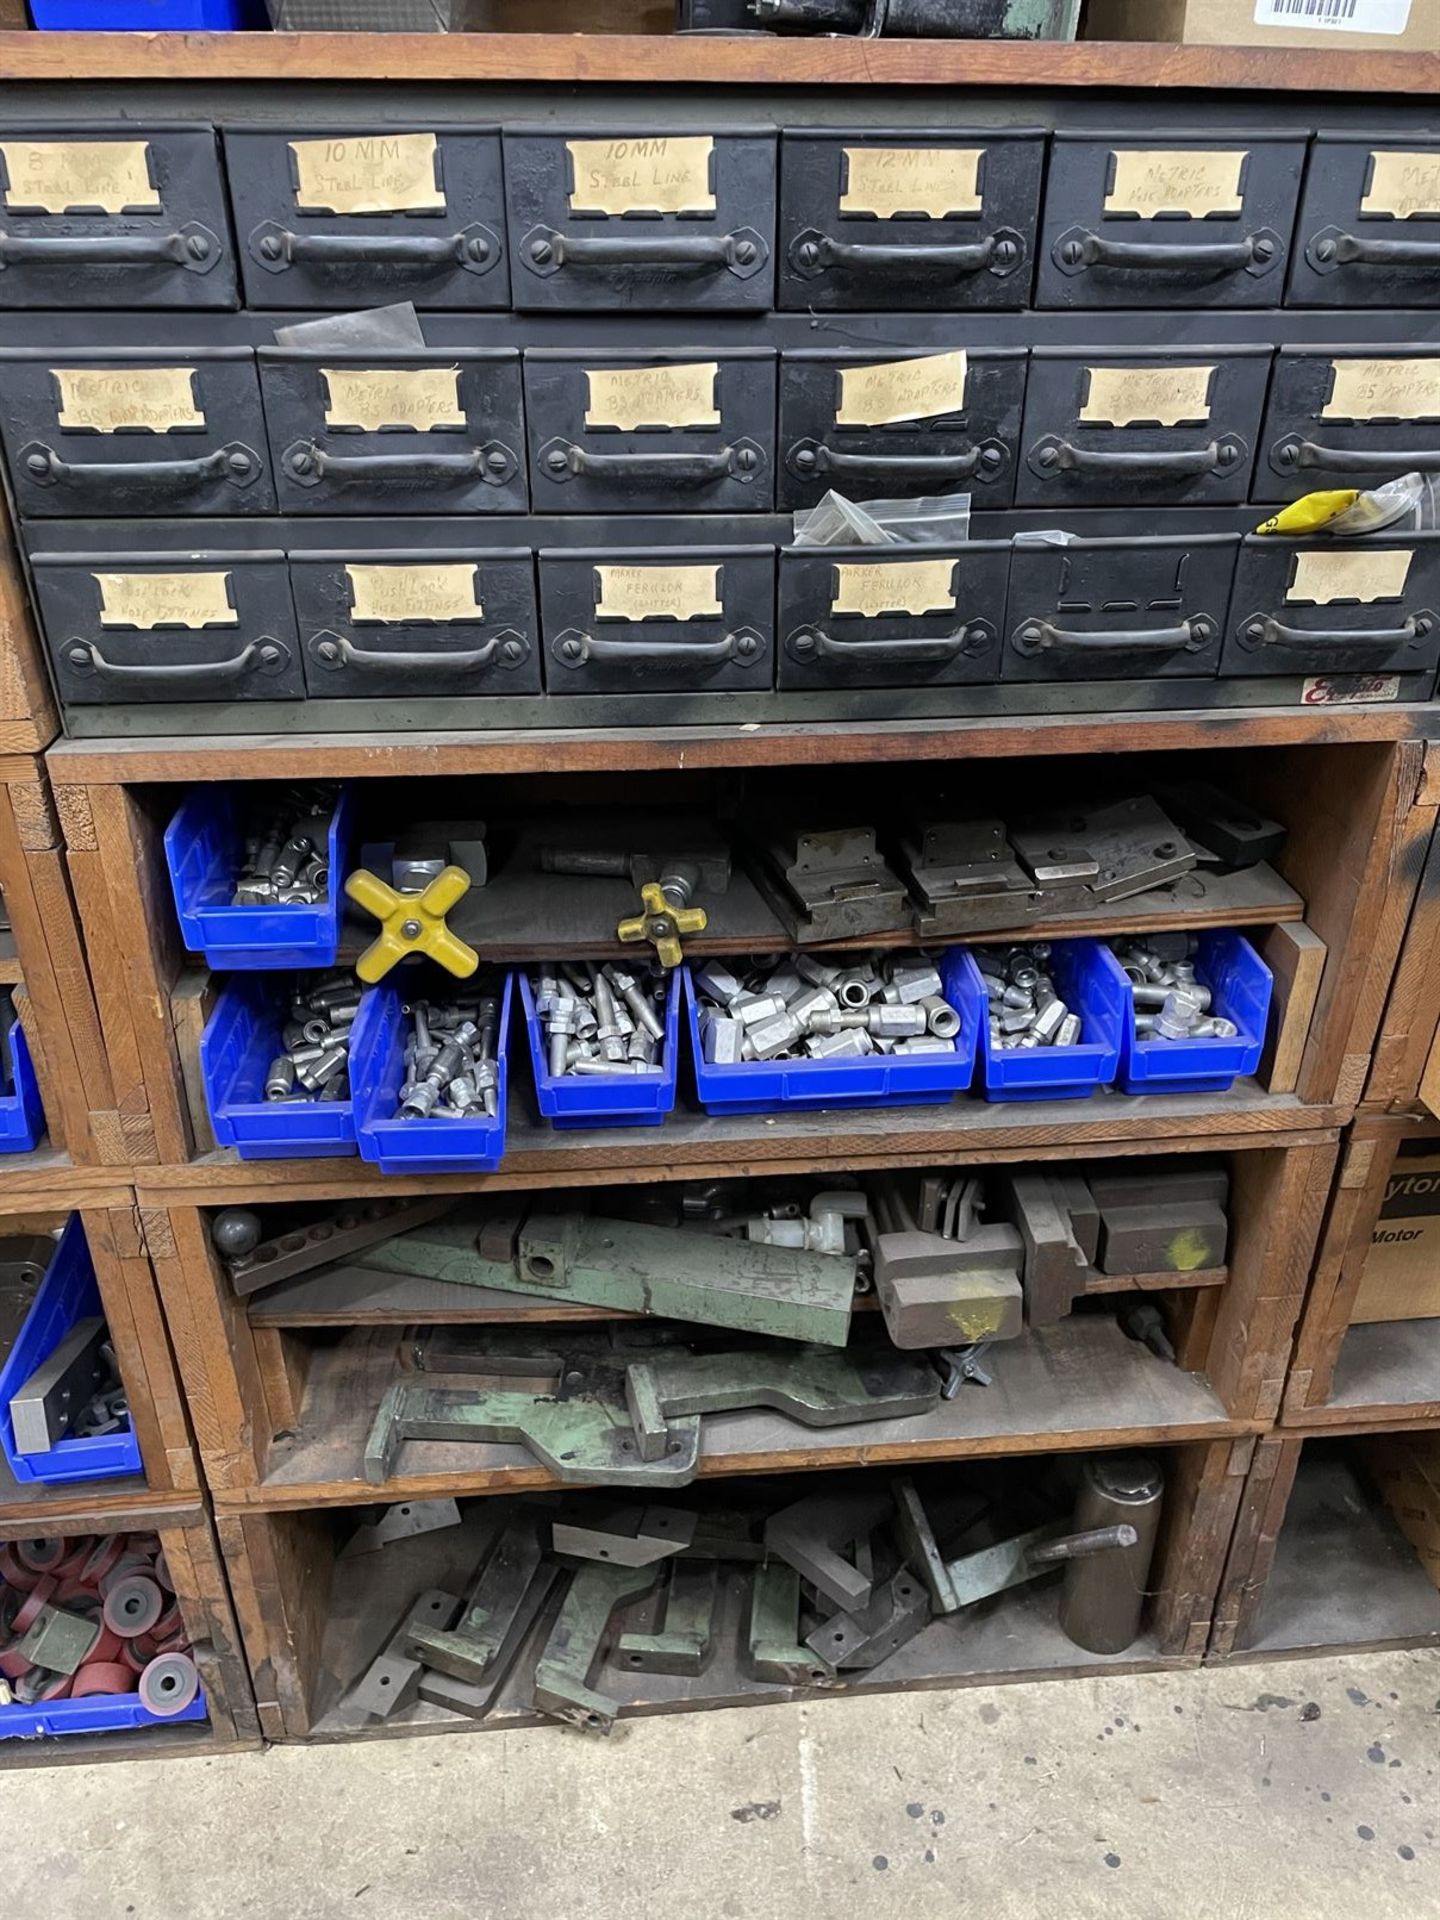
pixel 643 221
pixel 1122 609
pixel 433 431
pixel 181 626
pixel 113 216
pixel 1143 428
pixel 892 616
pixel 1335 606
pixel 928 221
pixel 417 622
pixel 365 216
pixel 1369 227
pixel 617 432
pixel 1198 221
pixel 658 619
pixel 139 430
pixel 1348 417
pixel 874 427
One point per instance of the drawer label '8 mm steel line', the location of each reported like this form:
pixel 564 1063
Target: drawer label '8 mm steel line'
pixel 55 176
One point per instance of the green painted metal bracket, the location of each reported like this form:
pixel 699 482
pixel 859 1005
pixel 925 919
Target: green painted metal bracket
pixel 577 1641
pixel 775 1648
pixel 683 1644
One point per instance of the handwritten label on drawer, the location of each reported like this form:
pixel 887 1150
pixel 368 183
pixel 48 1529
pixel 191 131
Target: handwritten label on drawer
pixel 165 600
pixel 902 586
pixel 368 173
pixel 1403 185
pixel 657 593
pixel 107 399
pixel 1321 578
pixel 938 181
pixel 1384 390
pixel 629 397
pixel 58 175
pixel 1143 396
pixel 374 397
pixel 1156 180
pixel 669 174
pixel 901 390
pixel 449 590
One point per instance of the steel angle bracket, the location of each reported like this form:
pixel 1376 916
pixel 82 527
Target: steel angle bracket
pixel 808 1536
pixel 625 1536
pixel 830 885
pixel 898 1610
pixel 402 1522
pixel 775 1649
pixel 391 1679
pixel 467 1650
pixel 577 1642
pixel 473 1697
pixel 682 1644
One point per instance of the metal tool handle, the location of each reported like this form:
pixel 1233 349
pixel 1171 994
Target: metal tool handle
pixel 814 643
pixel 1332 249
pixel 1080 1546
pixel 335 651
pixel 814 253
pixel 43 467
pixel 192 248
pixel 1081 249
pixel 277 248
pixel 984 461
pixel 546 251
pixel 1043 636
pixel 565 461
pixel 1288 455
pixel 1264 630
pixel 573 649
pixel 1053 456
pixel 265 655
pixel 308 465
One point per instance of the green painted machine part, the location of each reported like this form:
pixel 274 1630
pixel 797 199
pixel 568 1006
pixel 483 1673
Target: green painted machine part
pixel 682 1644
pixel 776 1651
pixel 467 1650
pixel 577 1643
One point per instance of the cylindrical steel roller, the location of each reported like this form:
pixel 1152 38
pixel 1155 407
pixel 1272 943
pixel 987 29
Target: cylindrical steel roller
pixel 1103 1597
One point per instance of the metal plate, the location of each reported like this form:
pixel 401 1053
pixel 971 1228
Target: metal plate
pixel 1096 435
pixel 1335 606
pixel 717 255
pixel 1348 417
pixel 687 429
pixel 141 225
pixel 1154 220
pixel 440 241
pixel 847 240
pixel 1073 610
pixel 1369 228
pixel 971 449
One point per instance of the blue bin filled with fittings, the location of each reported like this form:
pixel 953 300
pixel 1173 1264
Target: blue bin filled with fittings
pixel 205 850
pixel 1240 986
pixel 68 1295
pixel 1089 980
pixel 242 1041
pixel 105 1713
pixel 146 16
pixel 600 1099
pixel 397 1143
pixel 22 1119
pixel 803 1085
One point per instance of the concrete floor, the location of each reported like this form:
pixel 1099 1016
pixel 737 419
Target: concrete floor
pixel 1275 1792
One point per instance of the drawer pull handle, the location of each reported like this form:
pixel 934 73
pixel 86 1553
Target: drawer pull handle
pixel 276 248
pixel 238 465
pixel 308 465
pixel 266 655
pixel 1332 248
pixel 1052 456
pixel 987 460
pixel 743 253
pixel 1043 636
pixel 1080 249
pixel 813 253
pixel 563 461
pixel 814 643
pixel 574 649
pixel 191 247
pixel 1286 456
pixel 334 652
pixel 1264 630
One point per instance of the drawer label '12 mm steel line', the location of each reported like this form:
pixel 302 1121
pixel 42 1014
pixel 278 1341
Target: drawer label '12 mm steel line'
pixel 58 175
pixel 447 591
pixel 666 175
pixel 107 399
pixel 1148 182
pixel 377 173
pixel 940 182
pixel 375 397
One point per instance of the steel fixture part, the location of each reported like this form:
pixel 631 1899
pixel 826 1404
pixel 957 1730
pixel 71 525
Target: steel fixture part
pixel 390 1681
pixel 774 1648
pixel 577 1643
pixel 1103 1598
pixel 682 1643
pixel 810 1534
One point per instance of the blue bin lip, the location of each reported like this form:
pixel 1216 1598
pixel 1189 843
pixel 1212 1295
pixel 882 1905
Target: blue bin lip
pixel 99 1713
pixel 1210 1062
pixel 410 1146
pixel 22 1117
pixel 1089 1064
pixel 594 1097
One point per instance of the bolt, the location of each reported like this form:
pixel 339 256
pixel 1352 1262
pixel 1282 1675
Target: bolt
pixel 272 247
pixel 541 252
pixel 743 253
pixel 198 246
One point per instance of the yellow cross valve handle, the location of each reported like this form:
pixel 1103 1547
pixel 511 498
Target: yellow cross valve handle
pixel 661 924
pixel 412 923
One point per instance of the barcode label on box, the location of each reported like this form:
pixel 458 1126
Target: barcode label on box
pixel 1346 16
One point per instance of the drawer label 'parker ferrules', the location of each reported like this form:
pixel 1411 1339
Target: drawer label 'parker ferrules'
pixel 1321 578
pixel 368 173
pixel 901 390
pixel 670 174
pixel 1148 182
pixel 149 600
pixel 657 593
pixel 939 181
pixel 110 399
pixel 872 588
pixel 65 176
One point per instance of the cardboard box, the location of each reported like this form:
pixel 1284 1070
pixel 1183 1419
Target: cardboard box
pixel 1401 1280
pixel 1406 1470
pixel 1232 23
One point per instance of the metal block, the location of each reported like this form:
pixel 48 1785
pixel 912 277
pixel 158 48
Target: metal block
pixel 402 1522
pixel 830 884
pixel 390 1681
pixel 44 1408
pixel 1055 1269
pixel 682 1644
pixel 1168 1237
pixel 898 1611
pixel 946 1309
pixel 773 1645
pixel 577 1645
pixel 501 1594
pixel 625 1536
pixel 59 1641
pixel 809 1535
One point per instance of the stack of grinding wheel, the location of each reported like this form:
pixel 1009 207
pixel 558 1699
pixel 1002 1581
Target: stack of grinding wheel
pixel 93 1616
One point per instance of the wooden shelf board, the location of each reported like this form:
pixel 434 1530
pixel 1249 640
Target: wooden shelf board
pixel 10 972
pixel 1079 1384
pixel 48 1180
pixel 189 1741
pixel 692 1145
pixel 317 756
pixel 1388 1374
pixel 91 1506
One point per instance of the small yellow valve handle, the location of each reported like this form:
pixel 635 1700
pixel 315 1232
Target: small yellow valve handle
pixel 661 924
pixel 412 923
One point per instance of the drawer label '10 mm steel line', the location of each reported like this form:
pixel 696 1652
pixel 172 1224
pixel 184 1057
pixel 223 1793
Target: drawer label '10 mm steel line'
pixel 630 397
pixel 377 173
pixel 665 175
pixel 58 175
pixel 901 390
pixel 1322 578
pixel 938 181
pixel 448 591
pixel 1148 182
pixel 107 399
pixel 375 397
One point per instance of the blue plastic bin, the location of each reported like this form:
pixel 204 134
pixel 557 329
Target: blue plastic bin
pixel 22 1119
pixel 205 846
pixel 1089 979
pixel 872 1080
pixel 66 1295
pixel 377 1072
pixel 591 1100
pixel 102 1713
pixel 1240 986
pixel 145 16
pixel 241 1038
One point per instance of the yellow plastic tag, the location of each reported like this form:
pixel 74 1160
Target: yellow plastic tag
pixel 1314 510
